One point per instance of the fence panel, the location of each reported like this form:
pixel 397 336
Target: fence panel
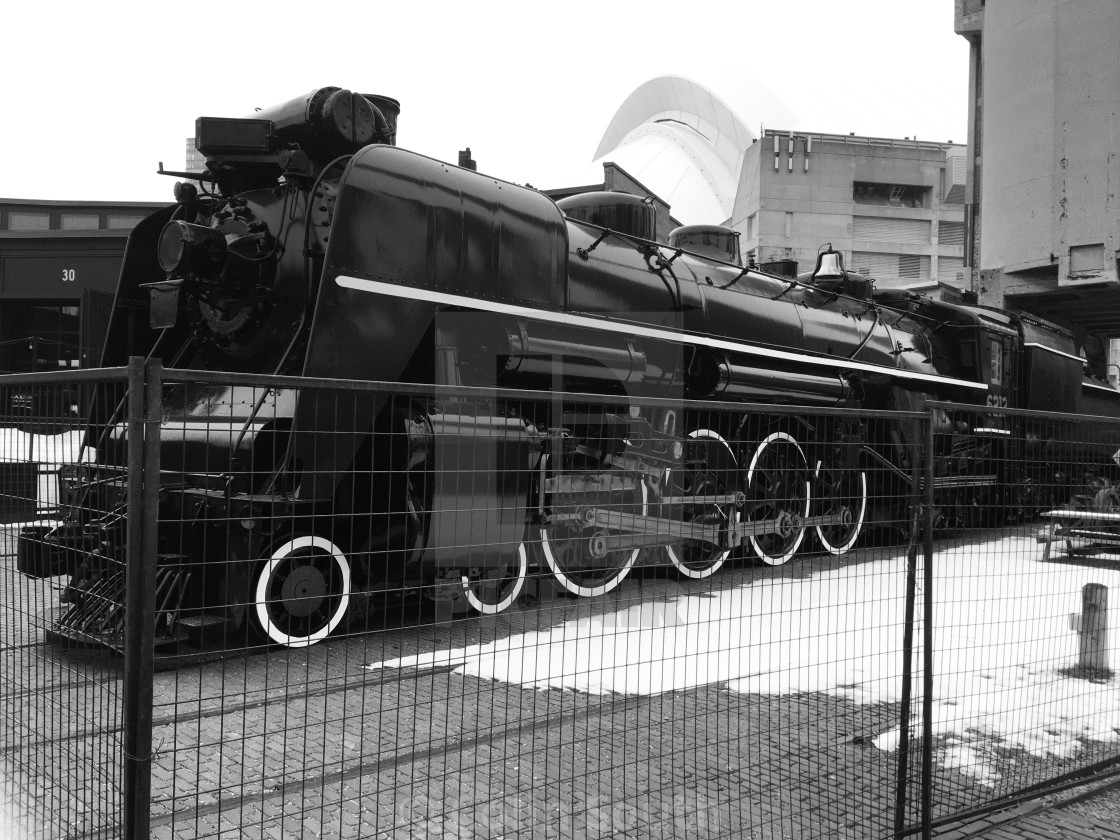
pixel 547 615
pixel 61 712
pixel 470 612
pixel 1023 692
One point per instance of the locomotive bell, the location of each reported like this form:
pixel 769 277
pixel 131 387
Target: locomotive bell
pixel 830 267
pixel 829 274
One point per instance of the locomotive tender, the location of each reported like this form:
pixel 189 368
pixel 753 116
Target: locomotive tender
pixel 317 247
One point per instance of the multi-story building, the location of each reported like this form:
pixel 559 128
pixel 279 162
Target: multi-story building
pixel 893 207
pixel 194 160
pixel 1044 160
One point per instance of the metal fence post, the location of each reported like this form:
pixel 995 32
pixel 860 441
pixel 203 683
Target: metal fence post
pixel 927 630
pixel 1093 647
pixel 144 411
pixel 914 502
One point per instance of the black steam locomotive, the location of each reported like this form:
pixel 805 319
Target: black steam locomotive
pixel 316 247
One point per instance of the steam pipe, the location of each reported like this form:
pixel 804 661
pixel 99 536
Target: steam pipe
pixel 762 384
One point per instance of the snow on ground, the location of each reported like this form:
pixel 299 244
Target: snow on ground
pixel 50 452
pixel 18 445
pixel 1001 637
pixel 11 828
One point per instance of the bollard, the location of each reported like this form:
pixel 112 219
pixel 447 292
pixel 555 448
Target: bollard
pixel 1093 657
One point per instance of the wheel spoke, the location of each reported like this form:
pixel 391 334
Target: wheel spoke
pixel 710 470
pixel 567 545
pixel 492 595
pixel 778 488
pixel 840 492
pixel 302 592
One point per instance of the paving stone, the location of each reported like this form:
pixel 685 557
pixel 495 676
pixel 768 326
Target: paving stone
pixel 308 744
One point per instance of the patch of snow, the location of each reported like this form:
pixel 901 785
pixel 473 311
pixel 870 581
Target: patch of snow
pixel 18 445
pixel 1000 639
pixel 969 761
pixel 11 827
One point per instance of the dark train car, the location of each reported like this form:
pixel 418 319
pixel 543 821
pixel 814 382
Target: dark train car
pixel 319 248
pixel 1018 464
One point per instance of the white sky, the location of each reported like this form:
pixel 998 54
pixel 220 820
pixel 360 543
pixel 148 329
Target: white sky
pixel 96 94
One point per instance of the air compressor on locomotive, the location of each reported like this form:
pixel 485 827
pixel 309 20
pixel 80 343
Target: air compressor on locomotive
pixel 318 248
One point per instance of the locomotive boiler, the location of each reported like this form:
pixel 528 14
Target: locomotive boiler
pixel 318 248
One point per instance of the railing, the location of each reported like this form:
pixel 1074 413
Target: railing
pixel 473 611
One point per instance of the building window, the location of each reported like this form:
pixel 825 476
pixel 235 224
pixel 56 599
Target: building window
pixel 18 220
pixel 891 229
pixel 950 233
pixel 910 267
pixel 195 160
pixel 950 269
pixel 79 221
pixel 116 221
pixel 750 225
pixel 892 269
pixel 41 336
pixel 891 195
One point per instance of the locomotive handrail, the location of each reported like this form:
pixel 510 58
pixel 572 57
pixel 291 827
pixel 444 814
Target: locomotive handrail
pixel 1020 412
pixel 630 328
pixel 68 376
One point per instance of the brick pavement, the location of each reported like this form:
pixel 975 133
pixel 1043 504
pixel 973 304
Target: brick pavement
pixel 310 744
pixel 1031 822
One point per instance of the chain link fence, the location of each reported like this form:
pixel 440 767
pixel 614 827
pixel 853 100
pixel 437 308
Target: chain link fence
pixel 1018 691
pixel 265 606
pixel 62 707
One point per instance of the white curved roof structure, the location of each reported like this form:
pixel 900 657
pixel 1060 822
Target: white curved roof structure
pixel 684 143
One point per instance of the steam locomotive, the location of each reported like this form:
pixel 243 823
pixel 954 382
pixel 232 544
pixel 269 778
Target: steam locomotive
pixel 317 247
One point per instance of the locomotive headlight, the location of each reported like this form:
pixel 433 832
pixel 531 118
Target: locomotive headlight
pixel 190 249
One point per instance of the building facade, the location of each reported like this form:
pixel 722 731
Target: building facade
pixel 1044 158
pixel 59 263
pixel 893 208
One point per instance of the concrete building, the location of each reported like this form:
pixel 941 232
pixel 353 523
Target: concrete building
pixel 894 208
pixel 59 262
pixel 194 160
pixel 1044 158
